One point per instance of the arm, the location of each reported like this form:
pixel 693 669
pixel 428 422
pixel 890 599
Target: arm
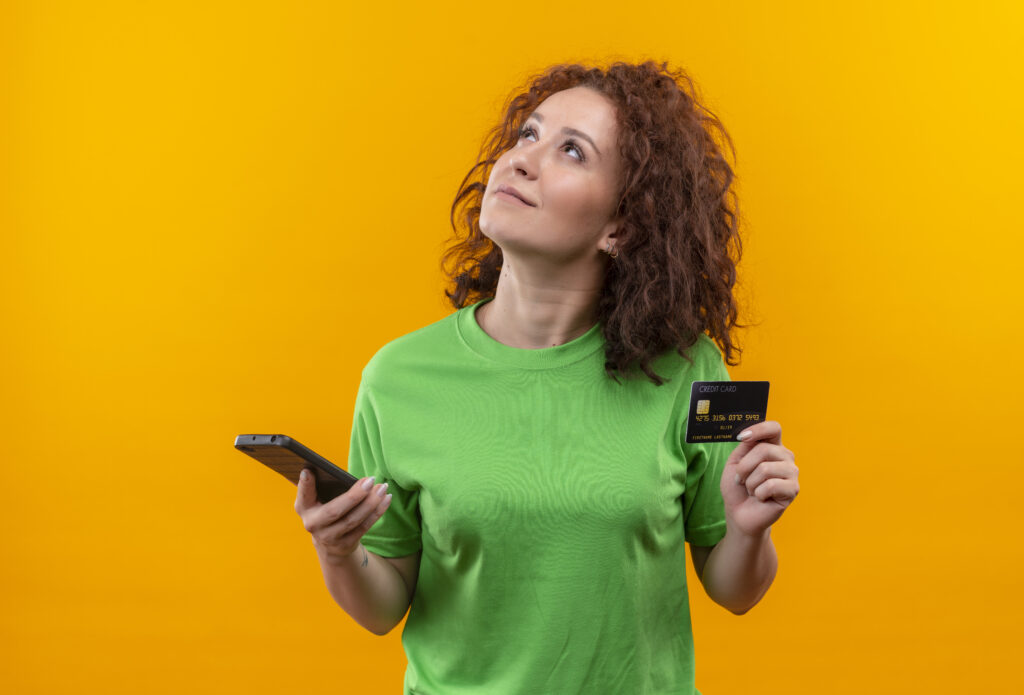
pixel 758 483
pixel 374 590
pixel 737 571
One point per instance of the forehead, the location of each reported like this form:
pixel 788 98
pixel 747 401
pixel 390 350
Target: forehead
pixel 581 108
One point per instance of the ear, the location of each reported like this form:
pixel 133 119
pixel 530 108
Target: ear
pixel 608 234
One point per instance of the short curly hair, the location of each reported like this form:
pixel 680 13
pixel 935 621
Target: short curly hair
pixel 678 243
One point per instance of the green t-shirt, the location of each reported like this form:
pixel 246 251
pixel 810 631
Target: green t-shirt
pixel 550 504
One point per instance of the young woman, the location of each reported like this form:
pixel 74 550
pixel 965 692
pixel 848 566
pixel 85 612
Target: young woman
pixel 528 491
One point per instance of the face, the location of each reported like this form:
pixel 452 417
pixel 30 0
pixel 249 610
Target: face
pixel 566 166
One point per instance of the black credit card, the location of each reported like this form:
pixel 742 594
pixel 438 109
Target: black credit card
pixel 719 410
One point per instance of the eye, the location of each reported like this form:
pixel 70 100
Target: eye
pixel 570 143
pixel 524 130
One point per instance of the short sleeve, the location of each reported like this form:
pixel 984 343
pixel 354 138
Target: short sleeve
pixel 397 532
pixel 703 509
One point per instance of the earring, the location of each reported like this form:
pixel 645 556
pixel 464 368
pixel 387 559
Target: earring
pixel 609 249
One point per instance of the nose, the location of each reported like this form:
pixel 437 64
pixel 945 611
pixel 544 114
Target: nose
pixel 524 160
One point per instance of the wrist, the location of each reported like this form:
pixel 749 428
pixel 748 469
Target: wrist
pixel 745 537
pixel 342 560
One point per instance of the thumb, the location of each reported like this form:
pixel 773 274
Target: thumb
pixel 306 495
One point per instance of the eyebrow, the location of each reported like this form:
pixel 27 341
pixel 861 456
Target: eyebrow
pixel 568 131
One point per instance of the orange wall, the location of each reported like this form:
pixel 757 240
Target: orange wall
pixel 214 213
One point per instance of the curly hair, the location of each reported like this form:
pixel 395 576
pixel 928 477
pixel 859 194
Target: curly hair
pixel 678 240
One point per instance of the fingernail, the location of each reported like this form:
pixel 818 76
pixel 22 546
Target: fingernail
pixel 737 478
pixel 743 435
pixel 369 483
pixel 388 498
pixel 302 474
pixel 382 489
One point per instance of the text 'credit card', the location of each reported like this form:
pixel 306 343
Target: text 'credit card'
pixel 719 410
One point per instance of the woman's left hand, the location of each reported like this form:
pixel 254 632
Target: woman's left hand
pixel 759 480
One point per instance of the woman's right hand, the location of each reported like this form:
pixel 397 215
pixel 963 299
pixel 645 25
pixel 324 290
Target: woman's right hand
pixel 338 525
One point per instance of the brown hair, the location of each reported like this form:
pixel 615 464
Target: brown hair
pixel 678 243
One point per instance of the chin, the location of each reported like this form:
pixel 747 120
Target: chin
pixel 494 232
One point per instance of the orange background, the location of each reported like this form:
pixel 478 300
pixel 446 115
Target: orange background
pixel 213 214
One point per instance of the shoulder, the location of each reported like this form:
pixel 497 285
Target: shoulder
pixel 701 361
pixel 705 350
pixel 413 349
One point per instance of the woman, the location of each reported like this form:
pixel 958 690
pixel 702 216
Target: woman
pixel 533 441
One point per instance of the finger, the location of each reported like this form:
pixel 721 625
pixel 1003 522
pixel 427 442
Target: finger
pixel 761 452
pixel 377 513
pixel 769 430
pixel 356 517
pixel 341 505
pixel 356 534
pixel 305 497
pixel 769 469
pixel 757 434
pixel 778 490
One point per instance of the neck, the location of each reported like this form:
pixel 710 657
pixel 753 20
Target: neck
pixel 531 314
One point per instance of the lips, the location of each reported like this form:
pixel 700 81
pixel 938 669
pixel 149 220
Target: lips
pixel 513 192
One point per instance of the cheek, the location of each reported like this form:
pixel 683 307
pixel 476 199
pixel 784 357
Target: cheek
pixel 501 164
pixel 488 200
pixel 580 201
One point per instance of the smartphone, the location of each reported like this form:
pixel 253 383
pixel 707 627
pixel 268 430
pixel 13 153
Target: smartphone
pixel 286 456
